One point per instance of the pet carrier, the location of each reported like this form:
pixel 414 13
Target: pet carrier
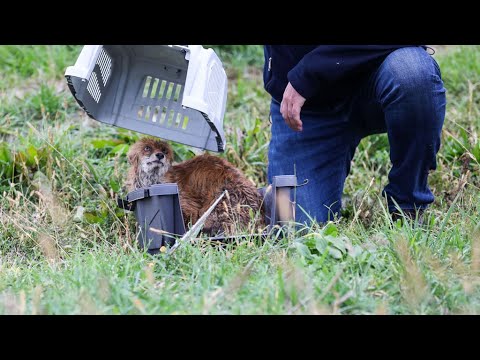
pixel 173 92
pixel 159 216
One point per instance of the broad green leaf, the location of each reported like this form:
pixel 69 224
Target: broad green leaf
pixel 5 154
pixel 121 149
pixel 356 251
pixel 321 244
pixel 331 229
pixel 92 217
pixel 104 143
pixel 31 154
pixel 92 169
pixel 476 152
pixel 6 163
pixel 338 243
pixel 334 252
pixel 114 185
pixel 119 212
pixel 302 249
pixel 309 240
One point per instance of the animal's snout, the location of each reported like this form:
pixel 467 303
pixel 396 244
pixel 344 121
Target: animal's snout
pixel 159 156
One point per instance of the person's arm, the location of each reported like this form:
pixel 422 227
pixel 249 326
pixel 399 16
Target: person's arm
pixel 325 68
pixel 335 66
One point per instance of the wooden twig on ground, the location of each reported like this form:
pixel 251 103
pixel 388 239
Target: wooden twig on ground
pixel 195 229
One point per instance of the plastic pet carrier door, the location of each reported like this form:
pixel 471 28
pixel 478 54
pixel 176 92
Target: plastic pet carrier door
pixel 172 92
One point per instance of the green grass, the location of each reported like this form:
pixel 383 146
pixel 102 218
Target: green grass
pixel 66 249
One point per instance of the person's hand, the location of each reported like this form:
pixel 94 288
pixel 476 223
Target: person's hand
pixel 290 107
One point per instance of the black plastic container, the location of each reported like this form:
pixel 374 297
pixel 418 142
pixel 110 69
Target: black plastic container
pixel 158 207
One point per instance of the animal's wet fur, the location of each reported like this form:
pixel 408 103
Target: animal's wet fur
pixel 200 180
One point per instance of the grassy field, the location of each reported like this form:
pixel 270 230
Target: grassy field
pixel 66 249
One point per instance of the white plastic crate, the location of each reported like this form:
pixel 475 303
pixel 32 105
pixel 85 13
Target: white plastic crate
pixel 173 92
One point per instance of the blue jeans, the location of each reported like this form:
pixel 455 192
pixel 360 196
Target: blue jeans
pixel 405 98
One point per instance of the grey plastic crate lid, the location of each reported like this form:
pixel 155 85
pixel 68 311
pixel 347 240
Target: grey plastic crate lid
pixel 172 92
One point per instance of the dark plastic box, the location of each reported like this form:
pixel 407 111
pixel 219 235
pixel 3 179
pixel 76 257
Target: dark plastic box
pixel 158 207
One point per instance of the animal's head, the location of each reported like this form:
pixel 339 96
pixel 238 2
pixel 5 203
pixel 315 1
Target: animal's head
pixel 150 156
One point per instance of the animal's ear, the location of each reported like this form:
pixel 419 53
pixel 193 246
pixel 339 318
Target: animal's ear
pixel 132 157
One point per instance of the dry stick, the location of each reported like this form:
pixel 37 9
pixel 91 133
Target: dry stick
pixel 361 203
pixel 163 232
pixel 160 231
pixel 195 229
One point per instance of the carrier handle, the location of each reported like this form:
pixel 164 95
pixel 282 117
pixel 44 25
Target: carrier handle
pixel 143 193
pixel 130 201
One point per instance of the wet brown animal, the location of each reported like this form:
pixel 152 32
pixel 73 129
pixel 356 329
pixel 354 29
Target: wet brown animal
pixel 201 181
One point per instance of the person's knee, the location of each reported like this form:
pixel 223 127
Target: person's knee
pixel 410 71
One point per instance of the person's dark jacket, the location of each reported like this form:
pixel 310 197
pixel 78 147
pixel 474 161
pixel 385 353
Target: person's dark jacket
pixel 323 74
